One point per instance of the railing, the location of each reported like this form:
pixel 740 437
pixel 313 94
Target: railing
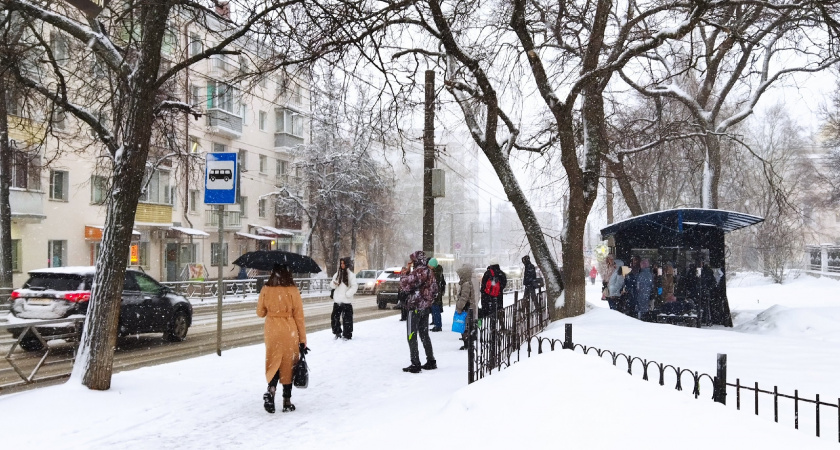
pixel 232 219
pixel 487 355
pixel 241 288
pixel 31 334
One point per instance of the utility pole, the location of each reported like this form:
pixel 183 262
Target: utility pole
pixel 428 165
pixel 5 182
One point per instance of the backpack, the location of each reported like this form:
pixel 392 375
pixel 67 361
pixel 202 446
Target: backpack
pixel 493 286
pixel 434 287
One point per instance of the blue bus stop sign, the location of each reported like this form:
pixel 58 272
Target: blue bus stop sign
pixel 220 179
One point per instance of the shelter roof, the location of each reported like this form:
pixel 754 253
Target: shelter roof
pixel 677 219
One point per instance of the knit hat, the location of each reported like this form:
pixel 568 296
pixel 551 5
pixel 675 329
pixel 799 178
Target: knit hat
pixel 433 263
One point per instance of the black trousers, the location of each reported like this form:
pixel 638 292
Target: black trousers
pixel 417 327
pixel 287 388
pixel 342 316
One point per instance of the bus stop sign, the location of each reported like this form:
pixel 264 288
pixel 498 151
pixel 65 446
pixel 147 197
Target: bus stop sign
pixel 220 179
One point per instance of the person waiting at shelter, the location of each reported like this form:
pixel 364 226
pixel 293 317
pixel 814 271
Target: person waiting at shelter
pixel 614 286
pixel 644 287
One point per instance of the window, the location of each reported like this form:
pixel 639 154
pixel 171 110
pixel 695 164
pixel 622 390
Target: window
pixel 263 119
pixel 16 252
pixel 196 99
pixel 195 147
pixel 243 206
pixel 264 82
pixel 243 160
pixel 289 122
pixel 196 46
pixel 59 185
pixel 169 42
pixel 219 148
pixel 59 117
pixel 56 253
pixel 263 164
pixel 214 254
pixel 223 96
pixel 282 167
pixel 26 173
pixel 157 188
pixel 98 189
pixel 60 48
pixel 261 207
pixel 297 93
pixel 193 200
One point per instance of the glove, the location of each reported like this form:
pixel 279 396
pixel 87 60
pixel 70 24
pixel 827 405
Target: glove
pixel 303 348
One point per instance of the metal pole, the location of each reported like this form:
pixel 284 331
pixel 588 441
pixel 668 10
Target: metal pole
pixel 219 285
pixel 428 165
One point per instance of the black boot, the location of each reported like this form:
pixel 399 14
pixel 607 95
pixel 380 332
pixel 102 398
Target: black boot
pixel 287 398
pixel 268 399
pixel 430 365
pixel 414 368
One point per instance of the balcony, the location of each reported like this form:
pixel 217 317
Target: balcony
pixel 286 140
pixel 232 220
pixel 27 205
pixel 153 213
pixel 225 124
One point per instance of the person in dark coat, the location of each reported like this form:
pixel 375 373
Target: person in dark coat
pixel 529 282
pixel 630 291
pixel 437 305
pixel 644 286
pixel 421 287
pixel 492 290
pixel 707 288
pixel 402 296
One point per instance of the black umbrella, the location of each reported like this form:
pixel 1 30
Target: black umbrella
pixel 266 259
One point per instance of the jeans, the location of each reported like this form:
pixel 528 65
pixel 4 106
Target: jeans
pixel 342 314
pixel 436 310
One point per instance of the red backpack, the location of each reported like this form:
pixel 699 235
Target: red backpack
pixel 493 287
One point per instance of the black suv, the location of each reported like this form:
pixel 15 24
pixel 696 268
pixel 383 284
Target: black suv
pixel 387 287
pixel 60 292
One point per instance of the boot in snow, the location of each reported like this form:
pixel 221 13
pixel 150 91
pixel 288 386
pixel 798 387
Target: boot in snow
pixel 287 405
pixel 268 400
pixel 430 365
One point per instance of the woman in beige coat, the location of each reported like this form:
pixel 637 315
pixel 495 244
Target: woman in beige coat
pixel 285 333
pixel 466 297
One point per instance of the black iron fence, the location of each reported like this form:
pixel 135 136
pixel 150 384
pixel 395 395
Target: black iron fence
pixel 500 343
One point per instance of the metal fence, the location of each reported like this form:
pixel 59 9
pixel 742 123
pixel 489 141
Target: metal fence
pixel 243 288
pixel 490 356
pixel 30 333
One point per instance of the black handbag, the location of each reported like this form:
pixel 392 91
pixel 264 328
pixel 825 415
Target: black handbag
pixel 332 292
pixel 300 373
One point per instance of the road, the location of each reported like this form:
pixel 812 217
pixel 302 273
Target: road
pixel 240 327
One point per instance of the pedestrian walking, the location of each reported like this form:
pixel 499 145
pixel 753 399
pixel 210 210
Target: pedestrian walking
pixel 614 286
pixel 493 285
pixel 592 274
pixel 285 333
pixel 344 283
pixel 421 287
pixel 466 299
pixel 644 287
pixel 530 283
pixel 437 304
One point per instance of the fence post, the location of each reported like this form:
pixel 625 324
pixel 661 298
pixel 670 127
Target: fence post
pixel 260 282
pixel 471 335
pixel 567 343
pixel 719 394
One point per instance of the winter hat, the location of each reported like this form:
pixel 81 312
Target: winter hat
pixel 494 261
pixel 433 263
pixel 526 259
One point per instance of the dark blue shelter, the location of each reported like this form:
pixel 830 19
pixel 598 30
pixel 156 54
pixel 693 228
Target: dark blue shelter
pixel 687 238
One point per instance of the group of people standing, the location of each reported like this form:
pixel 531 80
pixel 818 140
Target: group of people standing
pixel 641 287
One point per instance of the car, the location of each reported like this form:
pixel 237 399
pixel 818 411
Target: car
pixel 367 280
pixel 388 287
pixel 61 292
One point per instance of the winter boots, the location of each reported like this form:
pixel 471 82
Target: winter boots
pixel 414 368
pixel 287 398
pixel 268 399
pixel 430 365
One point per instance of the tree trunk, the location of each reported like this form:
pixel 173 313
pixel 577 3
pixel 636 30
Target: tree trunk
pixel 94 362
pixel 5 182
pixel 626 188
pixel 711 172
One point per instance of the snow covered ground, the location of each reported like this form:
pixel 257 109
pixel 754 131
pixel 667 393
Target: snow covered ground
pixel 359 398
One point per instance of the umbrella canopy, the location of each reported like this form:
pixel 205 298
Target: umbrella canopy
pixel 266 259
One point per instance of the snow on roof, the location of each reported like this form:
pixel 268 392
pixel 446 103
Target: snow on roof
pixel 102 227
pixel 190 231
pixel 276 231
pixel 725 220
pixel 77 270
pixel 254 236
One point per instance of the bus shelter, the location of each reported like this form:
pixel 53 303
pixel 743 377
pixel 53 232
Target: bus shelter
pixel 691 240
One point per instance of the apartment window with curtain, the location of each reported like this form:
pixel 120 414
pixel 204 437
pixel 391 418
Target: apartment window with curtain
pixel 219 148
pixel 56 253
pixel 196 46
pixel 59 185
pixel 261 206
pixel 158 189
pixel 263 119
pixel 26 170
pixel 16 252
pixel 223 96
pixel 193 201
pixel 289 122
pixel 98 189
pixel 263 164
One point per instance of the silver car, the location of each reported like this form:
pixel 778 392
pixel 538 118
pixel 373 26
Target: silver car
pixel 367 280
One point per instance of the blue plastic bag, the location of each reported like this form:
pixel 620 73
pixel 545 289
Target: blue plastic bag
pixel 659 291
pixel 459 322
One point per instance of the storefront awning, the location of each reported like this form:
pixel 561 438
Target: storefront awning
pixel 254 236
pixel 94 232
pixel 190 231
pixel 266 230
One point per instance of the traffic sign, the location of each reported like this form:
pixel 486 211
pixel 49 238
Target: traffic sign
pixel 457 246
pixel 220 179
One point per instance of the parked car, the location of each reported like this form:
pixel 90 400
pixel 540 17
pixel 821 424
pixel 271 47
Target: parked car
pixel 367 280
pixel 388 286
pixel 60 292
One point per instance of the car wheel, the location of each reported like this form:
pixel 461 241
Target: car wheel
pixel 178 328
pixel 31 344
pixel 382 304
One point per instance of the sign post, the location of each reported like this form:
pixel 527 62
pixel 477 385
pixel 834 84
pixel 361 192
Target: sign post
pixel 220 190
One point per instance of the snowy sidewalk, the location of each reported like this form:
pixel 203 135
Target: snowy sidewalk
pixel 359 398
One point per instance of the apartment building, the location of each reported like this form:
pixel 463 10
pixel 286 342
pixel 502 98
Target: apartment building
pixel 58 197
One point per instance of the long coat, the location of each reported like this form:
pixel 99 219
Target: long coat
pixel 285 329
pixel 465 292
